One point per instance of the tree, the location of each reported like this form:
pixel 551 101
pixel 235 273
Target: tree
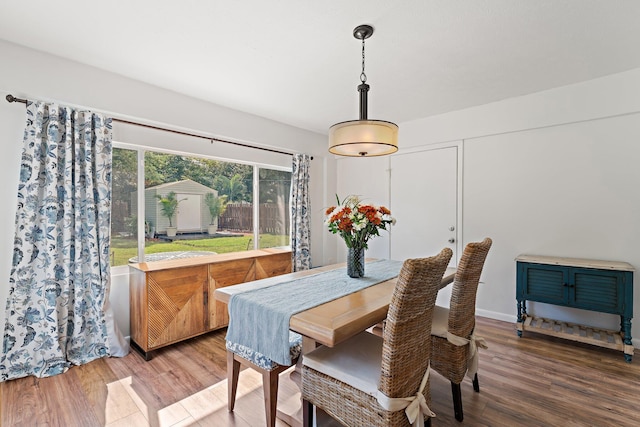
pixel 216 204
pixel 169 205
pixel 275 186
pixel 123 184
pixel 234 188
pixel 177 167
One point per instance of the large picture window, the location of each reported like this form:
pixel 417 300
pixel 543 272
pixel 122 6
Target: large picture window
pixel 193 206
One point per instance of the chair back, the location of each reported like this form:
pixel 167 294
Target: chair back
pixel 462 308
pixel 407 334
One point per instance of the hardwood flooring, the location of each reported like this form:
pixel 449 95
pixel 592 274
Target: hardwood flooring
pixel 531 381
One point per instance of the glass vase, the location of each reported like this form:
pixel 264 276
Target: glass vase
pixel 355 262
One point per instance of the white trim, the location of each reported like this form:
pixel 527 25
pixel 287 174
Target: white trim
pixel 510 318
pixel 136 147
pixel 428 147
pixel 141 205
pixel 256 206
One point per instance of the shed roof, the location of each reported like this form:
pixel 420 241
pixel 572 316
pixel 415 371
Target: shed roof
pixel 168 185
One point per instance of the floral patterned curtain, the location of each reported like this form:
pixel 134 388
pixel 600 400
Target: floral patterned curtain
pixel 59 283
pixel 300 205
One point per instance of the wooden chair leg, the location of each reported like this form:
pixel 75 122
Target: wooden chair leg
pixel 233 370
pixel 457 401
pixel 307 413
pixel 476 384
pixel 270 387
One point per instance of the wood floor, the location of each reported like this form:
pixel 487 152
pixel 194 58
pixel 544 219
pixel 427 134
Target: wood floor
pixel 531 381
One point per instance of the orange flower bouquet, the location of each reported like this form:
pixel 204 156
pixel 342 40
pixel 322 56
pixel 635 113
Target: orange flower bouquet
pixel 356 223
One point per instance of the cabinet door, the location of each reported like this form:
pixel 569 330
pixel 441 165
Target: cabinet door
pixel 543 283
pixel 176 299
pixel 597 290
pixel 227 274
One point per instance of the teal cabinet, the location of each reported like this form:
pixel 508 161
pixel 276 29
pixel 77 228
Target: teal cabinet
pixel 602 286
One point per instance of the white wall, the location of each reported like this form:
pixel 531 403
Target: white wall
pixel 594 99
pixel 26 73
pixel 568 190
pixel 368 178
pixel 552 173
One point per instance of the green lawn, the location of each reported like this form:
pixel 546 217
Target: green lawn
pixel 122 249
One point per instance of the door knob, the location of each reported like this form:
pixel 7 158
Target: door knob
pixel 452 240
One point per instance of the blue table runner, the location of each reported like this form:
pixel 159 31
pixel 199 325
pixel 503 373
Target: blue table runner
pixel 259 319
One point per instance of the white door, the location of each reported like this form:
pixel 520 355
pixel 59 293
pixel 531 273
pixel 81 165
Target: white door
pixel 189 212
pixel 424 201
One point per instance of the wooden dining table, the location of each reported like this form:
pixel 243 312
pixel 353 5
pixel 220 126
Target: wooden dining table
pixel 335 321
pixel 332 322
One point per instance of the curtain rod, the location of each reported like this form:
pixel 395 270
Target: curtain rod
pixel 11 98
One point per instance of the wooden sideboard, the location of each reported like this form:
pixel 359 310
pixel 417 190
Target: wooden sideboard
pixel 172 300
pixel 602 286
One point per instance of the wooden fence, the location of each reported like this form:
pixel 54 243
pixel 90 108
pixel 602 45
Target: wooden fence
pixel 274 218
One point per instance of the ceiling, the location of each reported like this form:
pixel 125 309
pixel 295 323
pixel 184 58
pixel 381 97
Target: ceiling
pixel 297 62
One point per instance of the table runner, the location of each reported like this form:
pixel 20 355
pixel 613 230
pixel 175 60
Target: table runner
pixel 259 319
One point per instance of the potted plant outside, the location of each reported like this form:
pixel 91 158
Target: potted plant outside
pixel 169 207
pixel 149 229
pixel 217 205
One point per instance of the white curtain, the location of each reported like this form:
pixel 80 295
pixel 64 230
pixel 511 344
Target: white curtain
pixel 300 208
pixel 57 311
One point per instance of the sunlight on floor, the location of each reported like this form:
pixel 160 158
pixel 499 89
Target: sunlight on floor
pixel 125 408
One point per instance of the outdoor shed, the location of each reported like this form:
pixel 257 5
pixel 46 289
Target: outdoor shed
pixel 193 213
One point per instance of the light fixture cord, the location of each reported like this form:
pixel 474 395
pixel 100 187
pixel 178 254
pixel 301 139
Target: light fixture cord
pixel 363 76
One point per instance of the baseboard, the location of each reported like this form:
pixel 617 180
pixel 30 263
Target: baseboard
pixel 496 315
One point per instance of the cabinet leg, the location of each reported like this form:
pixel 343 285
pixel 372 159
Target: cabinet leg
pixel 626 330
pixel 625 325
pixel 145 354
pixel 520 305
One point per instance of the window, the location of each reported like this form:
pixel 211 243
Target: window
pixel 124 221
pixel 194 205
pixel 275 225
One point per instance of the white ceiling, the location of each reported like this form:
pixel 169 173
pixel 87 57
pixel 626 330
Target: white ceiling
pixel 297 62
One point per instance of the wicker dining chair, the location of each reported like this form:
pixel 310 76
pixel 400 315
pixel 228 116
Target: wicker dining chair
pixel 369 380
pixel 453 341
pixel 238 354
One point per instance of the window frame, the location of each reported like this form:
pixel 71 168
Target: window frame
pixel 142 149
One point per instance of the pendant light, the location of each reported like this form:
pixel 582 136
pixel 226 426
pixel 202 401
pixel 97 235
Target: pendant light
pixel 363 137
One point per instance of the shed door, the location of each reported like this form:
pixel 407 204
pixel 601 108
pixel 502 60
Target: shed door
pixel 189 216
